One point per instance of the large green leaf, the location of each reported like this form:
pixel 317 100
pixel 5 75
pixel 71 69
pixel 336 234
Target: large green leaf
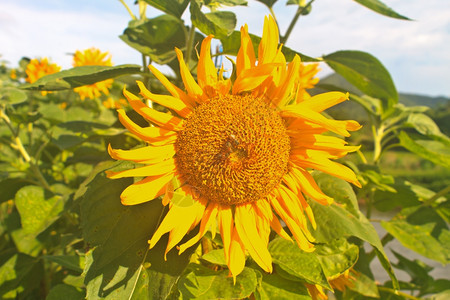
pixel 172 7
pixel 335 221
pixel 421 229
pixel 435 151
pixel 425 125
pixel 231 45
pixel 12 95
pixel 79 76
pixel 366 73
pixel 203 283
pixel 37 208
pixel 120 266
pixel 71 262
pixel 66 292
pixel 156 37
pixel 381 8
pixel 337 257
pixel 273 286
pixel 219 23
pixel 298 263
pixel 20 274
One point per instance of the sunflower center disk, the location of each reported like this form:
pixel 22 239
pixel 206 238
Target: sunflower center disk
pixel 233 149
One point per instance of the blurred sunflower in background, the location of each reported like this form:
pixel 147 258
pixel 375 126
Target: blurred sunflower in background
pixel 38 68
pixel 93 57
pixel 237 153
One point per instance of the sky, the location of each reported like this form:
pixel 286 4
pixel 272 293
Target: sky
pixel 416 53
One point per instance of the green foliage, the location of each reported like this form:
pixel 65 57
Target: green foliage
pixel 65 234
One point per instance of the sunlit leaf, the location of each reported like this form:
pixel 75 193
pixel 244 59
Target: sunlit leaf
pixel 219 23
pixel 366 73
pixel 435 151
pixel 381 8
pixel 12 95
pixel 336 222
pixel 216 257
pixel 38 209
pixel 337 257
pixel 79 76
pixel 156 37
pixel 172 7
pixel 273 286
pixel 120 265
pixel 421 229
pixel 296 262
pixel 424 125
pixel 203 283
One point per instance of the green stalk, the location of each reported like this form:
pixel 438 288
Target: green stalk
pixel 128 9
pixel 436 196
pixel 298 13
pixel 399 293
pixel 189 44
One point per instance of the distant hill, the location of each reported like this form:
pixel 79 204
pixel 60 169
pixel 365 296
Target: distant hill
pixel 405 98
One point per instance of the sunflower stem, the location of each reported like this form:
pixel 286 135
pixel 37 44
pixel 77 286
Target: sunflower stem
pixel 128 9
pixel 298 13
pixel 189 44
pixel 436 196
pixel 396 292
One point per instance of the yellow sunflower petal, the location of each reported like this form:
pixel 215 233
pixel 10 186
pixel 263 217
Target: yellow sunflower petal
pixel 149 154
pixel 192 87
pixel 178 221
pixel 268 46
pixel 236 261
pixel 246 55
pixel 247 229
pixel 170 102
pixel 251 78
pixel 323 101
pixel 207 219
pixel 226 226
pixel 164 120
pixel 149 134
pixel 173 89
pixel 315 117
pixel 285 92
pixel 330 167
pixel 309 186
pixel 160 168
pixel 206 70
pixel 145 190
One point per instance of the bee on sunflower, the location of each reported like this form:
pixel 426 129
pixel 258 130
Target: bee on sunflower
pixel 242 151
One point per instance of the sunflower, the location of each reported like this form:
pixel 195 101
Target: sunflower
pixel 39 68
pixel 239 151
pixel 93 57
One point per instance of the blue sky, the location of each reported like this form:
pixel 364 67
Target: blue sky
pixel 417 53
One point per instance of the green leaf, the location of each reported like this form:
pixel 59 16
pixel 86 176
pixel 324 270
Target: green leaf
pixel 215 3
pixel 366 73
pixel 12 95
pixel 121 266
pixel 421 229
pixel 20 274
pixel 219 23
pixel 71 262
pixel 273 286
pixel 79 76
pixel 66 292
pixel 268 3
pixel 231 45
pixel 297 262
pixel 156 37
pixel 204 283
pixel 216 257
pixel 337 222
pixel 364 285
pixel 381 8
pixel 37 208
pixel 406 194
pixel 336 257
pixel 9 187
pixel 172 7
pixel 435 151
pixel 424 125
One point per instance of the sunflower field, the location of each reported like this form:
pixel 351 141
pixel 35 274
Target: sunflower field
pixel 220 168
